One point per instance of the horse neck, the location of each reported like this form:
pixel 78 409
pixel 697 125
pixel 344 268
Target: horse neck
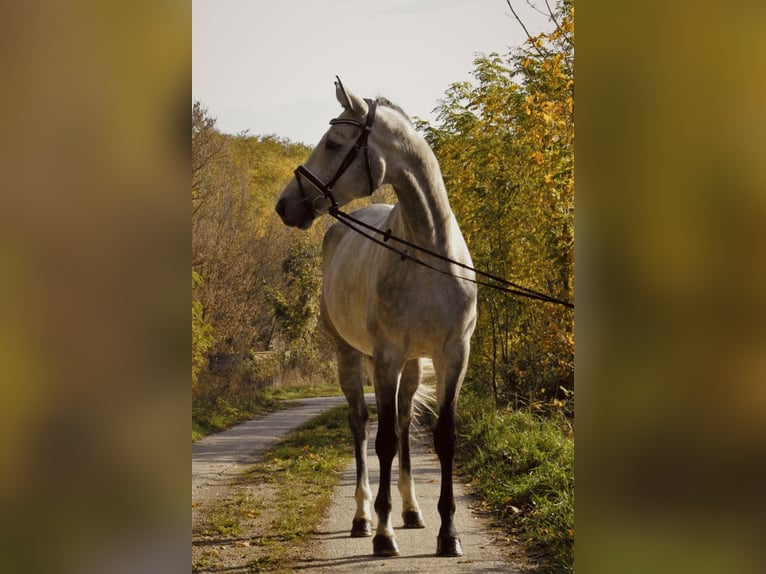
pixel 423 204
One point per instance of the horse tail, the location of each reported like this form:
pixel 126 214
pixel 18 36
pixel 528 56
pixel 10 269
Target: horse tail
pixel 424 400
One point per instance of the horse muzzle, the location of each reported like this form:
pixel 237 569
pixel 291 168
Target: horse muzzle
pixel 299 215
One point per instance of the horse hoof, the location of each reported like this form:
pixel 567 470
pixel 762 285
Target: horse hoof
pixel 384 546
pixel 448 546
pixel 360 528
pixel 413 519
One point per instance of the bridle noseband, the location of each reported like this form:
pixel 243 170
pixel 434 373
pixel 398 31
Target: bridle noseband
pixel 361 144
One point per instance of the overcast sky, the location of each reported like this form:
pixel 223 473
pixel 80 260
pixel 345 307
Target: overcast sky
pixel 267 66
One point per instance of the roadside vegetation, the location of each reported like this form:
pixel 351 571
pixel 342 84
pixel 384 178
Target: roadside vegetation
pixel 522 465
pixel 228 402
pixel 297 478
pixel 505 144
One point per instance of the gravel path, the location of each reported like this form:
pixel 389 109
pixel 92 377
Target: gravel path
pixel 230 452
pixel 225 455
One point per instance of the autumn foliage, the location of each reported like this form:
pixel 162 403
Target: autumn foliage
pixel 255 283
pixel 506 148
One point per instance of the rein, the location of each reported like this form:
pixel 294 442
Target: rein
pixel 355 224
pixel 499 285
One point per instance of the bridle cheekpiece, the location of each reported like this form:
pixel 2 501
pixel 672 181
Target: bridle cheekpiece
pixel 326 189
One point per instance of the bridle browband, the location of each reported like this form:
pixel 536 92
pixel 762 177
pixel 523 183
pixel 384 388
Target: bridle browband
pixel 361 144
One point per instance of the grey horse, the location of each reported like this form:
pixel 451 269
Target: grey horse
pixel 383 313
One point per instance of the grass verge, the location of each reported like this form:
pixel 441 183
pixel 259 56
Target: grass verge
pixel 523 466
pixel 305 469
pixel 299 476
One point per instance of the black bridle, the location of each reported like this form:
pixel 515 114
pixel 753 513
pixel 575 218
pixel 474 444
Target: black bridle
pixel 326 189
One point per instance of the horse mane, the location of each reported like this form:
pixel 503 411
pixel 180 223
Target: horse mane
pixel 385 102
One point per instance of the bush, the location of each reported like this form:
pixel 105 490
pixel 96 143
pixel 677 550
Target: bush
pixel 234 395
pixel 523 465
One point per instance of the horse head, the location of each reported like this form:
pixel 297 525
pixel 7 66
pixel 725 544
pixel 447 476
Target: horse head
pixel 346 164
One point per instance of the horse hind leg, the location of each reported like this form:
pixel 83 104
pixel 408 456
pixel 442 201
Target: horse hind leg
pixel 350 374
pixel 408 385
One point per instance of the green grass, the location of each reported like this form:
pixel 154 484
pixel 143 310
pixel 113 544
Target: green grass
pixel 211 416
pixel 305 468
pixel 227 520
pixel 523 466
pixel 302 471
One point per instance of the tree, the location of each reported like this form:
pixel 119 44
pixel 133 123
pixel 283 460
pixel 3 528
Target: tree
pixel 296 305
pixel 238 244
pixel 506 149
pixel 203 337
pixel 207 146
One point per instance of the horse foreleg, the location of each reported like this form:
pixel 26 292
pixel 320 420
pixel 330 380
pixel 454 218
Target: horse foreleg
pixel 410 380
pixel 447 542
pixel 450 370
pixel 352 383
pixel 387 372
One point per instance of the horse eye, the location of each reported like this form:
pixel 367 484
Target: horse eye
pixel 332 145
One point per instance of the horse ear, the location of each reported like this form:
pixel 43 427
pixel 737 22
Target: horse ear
pixel 348 100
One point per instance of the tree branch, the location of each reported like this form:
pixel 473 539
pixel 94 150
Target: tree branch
pixel 529 36
pixel 535 8
pixel 563 35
